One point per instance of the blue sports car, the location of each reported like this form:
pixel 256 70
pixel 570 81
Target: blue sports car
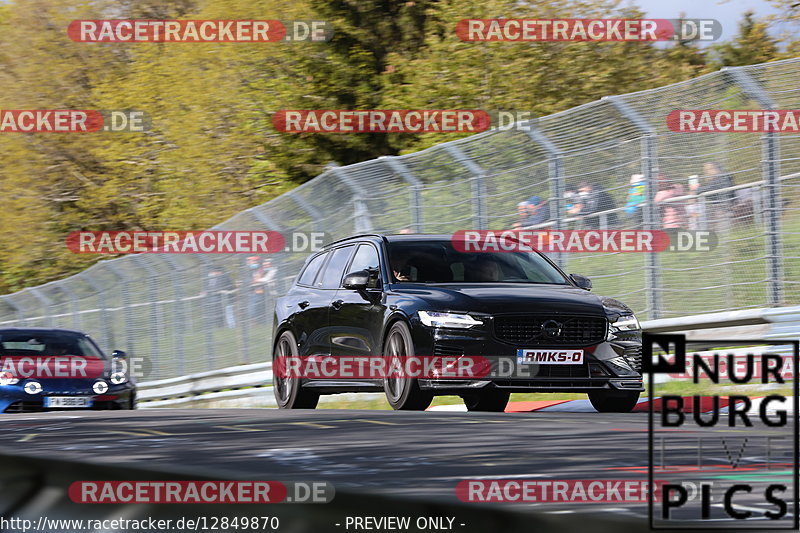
pixel 43 369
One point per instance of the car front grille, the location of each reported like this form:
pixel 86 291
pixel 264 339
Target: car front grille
pixel 35 406
pixel 544 330
pixel 25 407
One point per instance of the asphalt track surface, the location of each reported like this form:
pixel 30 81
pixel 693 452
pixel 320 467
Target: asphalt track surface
pixel 416 454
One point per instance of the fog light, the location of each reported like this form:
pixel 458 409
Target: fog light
pixel 596 370
pixel 33 387
pixel 100 387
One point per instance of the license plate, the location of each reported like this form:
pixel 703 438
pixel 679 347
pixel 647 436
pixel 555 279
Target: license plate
pixel 549 357
pixel 67 401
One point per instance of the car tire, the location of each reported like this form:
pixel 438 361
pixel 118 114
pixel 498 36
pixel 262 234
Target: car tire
pixel 132 402
pixel 494 401
pixel 403 394
pixel 614 401
pixel 289 393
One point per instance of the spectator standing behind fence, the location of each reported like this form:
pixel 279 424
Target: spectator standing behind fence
pixel 637 196
pixel 717 209
pixel 220 312
pixel 532 212
pixel 590 200
pixel 268 277
pixel 673 214
pixel 570 196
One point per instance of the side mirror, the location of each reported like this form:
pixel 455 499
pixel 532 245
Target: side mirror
pixel 356 281
pixel 581 281
pixel 119 354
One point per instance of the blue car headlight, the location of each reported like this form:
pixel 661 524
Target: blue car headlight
pixel 32 387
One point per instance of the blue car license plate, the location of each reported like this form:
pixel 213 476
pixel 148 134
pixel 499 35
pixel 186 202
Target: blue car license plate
pixel 67 401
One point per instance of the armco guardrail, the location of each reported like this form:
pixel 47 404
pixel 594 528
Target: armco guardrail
pixel 236 386
pixel 768 323
pixel 250 385
pixel 236 377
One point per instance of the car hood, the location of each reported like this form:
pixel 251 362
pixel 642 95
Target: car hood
pixel 497 298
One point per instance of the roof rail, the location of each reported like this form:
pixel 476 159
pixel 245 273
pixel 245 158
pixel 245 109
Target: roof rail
pixel 360 235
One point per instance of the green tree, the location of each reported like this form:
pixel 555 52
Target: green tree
pixel 752 45
pixel 346 73
pixel 540 78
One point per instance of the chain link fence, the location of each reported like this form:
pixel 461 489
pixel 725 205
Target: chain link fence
pixel 194 313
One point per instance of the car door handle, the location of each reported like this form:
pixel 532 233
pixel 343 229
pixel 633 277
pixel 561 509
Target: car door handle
pixel 337 304
pixel 303 304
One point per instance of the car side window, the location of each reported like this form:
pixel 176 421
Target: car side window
pixel 310 272
pixel 366 258
pixel 331 277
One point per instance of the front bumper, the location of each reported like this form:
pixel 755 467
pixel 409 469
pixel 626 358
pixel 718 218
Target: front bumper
pixel 13 399
pixel 612 364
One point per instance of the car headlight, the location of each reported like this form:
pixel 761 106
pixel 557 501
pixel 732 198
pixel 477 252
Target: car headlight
pixel 448 320
pixel 7 378
pixel 118 378
pixel 100 387
pixel 33 387
pixel 625 323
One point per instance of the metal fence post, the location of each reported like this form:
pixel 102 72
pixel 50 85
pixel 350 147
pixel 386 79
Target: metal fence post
pixel 156 355
pixel 179 324
pixel 206 318
pixel 313 213
pixel 556 171
pixel 770 170
pixel 46 305
pixel 397 166
pixel 17 309
pixel 126 303
pixel 362 224
pixel 108 337
pixel 478 183
pixel 73 303
pixel 270 224
pixel 649 169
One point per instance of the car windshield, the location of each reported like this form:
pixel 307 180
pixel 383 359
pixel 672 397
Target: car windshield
pixel 439 262
pixel 46 345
